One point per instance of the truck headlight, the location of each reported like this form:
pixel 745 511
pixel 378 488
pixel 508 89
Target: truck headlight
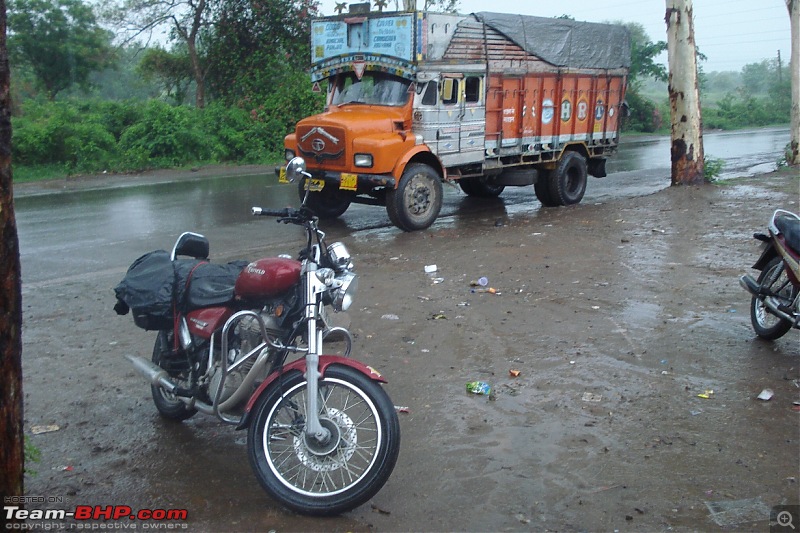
pixel 363 160
pixel 288 155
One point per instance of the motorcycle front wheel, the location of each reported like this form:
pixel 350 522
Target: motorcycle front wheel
pixel 777 284
pixel 323 479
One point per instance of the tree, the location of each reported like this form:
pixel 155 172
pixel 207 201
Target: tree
pixel 445 6
pixel 684 95
pixel 643 56
pixel 172 70
pixel 188 20
pixel 60 41
pixel 793 156
pixel 256 45
pixel 11 437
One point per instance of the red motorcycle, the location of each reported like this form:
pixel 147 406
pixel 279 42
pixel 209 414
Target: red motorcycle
pixel 323 435
pixel 775 307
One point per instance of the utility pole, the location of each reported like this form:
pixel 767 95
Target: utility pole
pixel 684 95
pixel 12 446
pixel 793 153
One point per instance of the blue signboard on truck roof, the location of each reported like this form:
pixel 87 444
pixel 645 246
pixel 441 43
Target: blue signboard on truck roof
pixel 386 36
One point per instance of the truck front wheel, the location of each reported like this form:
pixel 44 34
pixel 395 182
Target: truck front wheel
pixel 330 202
pixel 568 180
pixel 417 200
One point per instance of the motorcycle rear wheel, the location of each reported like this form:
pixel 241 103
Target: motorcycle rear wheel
pixel 774 279
pixel 316 479
pixel 167 404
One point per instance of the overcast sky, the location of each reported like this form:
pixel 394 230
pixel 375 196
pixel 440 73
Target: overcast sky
pixel 731 33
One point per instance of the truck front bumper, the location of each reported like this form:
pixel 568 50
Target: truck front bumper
pixel 344 181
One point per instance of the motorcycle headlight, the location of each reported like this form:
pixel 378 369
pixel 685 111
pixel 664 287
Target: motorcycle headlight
pixel 339 256
pixel 343 298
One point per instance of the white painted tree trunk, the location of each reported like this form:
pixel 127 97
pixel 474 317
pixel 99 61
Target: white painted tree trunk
pixel 793 155
pixel 684 95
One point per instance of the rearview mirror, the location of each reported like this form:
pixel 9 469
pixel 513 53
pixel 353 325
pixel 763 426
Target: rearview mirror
pixel 295 169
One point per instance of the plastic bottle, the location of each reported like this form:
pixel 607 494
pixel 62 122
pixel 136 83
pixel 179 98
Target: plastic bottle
pixel 479 387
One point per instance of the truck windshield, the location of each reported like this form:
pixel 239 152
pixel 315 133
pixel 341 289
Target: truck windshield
pixel 373 89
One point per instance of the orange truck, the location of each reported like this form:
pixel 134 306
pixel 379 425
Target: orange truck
pixel 488 100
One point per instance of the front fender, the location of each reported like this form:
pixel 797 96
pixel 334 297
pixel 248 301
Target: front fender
pixel 300 365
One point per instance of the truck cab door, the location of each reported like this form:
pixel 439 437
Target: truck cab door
pixel 451 115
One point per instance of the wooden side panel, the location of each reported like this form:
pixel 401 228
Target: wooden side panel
pixel 512 112
pixel 548 106
pixel 494 109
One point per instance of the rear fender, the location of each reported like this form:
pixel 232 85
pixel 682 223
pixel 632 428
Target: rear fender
pixel 767 255
pixel 300 365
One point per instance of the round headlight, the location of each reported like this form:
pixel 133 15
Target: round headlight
pixel 344 296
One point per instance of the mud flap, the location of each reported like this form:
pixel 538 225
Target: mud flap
pixel 597 167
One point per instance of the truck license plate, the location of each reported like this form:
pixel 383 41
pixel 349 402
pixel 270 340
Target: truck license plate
pixel 349 182
pixel 315 185
pixel 282 175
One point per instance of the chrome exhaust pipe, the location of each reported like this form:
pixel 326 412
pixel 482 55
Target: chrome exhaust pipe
pixel 775 310
pixel 750 285
pixel 155 375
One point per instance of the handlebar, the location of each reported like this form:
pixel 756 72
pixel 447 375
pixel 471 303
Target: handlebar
pixel 287 215
pixel 280 213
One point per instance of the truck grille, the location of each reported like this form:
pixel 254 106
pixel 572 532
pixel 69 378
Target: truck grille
pixel 322 144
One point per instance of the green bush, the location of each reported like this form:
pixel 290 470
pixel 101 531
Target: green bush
pixel 91 136
pixel 166 136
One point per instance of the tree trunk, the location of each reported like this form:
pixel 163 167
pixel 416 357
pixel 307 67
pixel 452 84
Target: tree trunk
pixel 684 95
pixel 12 446
pixel 793 155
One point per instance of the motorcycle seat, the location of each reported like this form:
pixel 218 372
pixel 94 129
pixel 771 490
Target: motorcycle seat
pixel 790 228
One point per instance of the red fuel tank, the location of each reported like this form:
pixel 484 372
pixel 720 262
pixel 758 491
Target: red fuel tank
pixel 267 277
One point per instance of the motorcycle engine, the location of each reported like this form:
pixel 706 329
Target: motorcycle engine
pixel 248 333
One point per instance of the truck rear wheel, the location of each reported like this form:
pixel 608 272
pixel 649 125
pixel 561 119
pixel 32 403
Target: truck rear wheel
pixel 542 189
pixel 417 200
pixel 480 188
pixel 330 202
pixel 568 180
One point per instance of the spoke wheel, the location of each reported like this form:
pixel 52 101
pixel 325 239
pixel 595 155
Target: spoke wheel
pixel 167 404
pixel 775 280
pixel 339 474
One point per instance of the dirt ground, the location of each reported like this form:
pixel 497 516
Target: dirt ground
pixel 618 316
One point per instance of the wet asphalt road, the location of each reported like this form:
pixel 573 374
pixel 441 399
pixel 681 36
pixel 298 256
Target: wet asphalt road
pixel 80 233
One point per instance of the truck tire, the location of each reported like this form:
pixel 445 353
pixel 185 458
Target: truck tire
pixel 542 189
pixel 568 180
pixel 479 188
pixel 417 200
pixel 330 202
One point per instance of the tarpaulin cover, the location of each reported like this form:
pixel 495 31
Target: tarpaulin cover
pixel 563 42
pixel 154 285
